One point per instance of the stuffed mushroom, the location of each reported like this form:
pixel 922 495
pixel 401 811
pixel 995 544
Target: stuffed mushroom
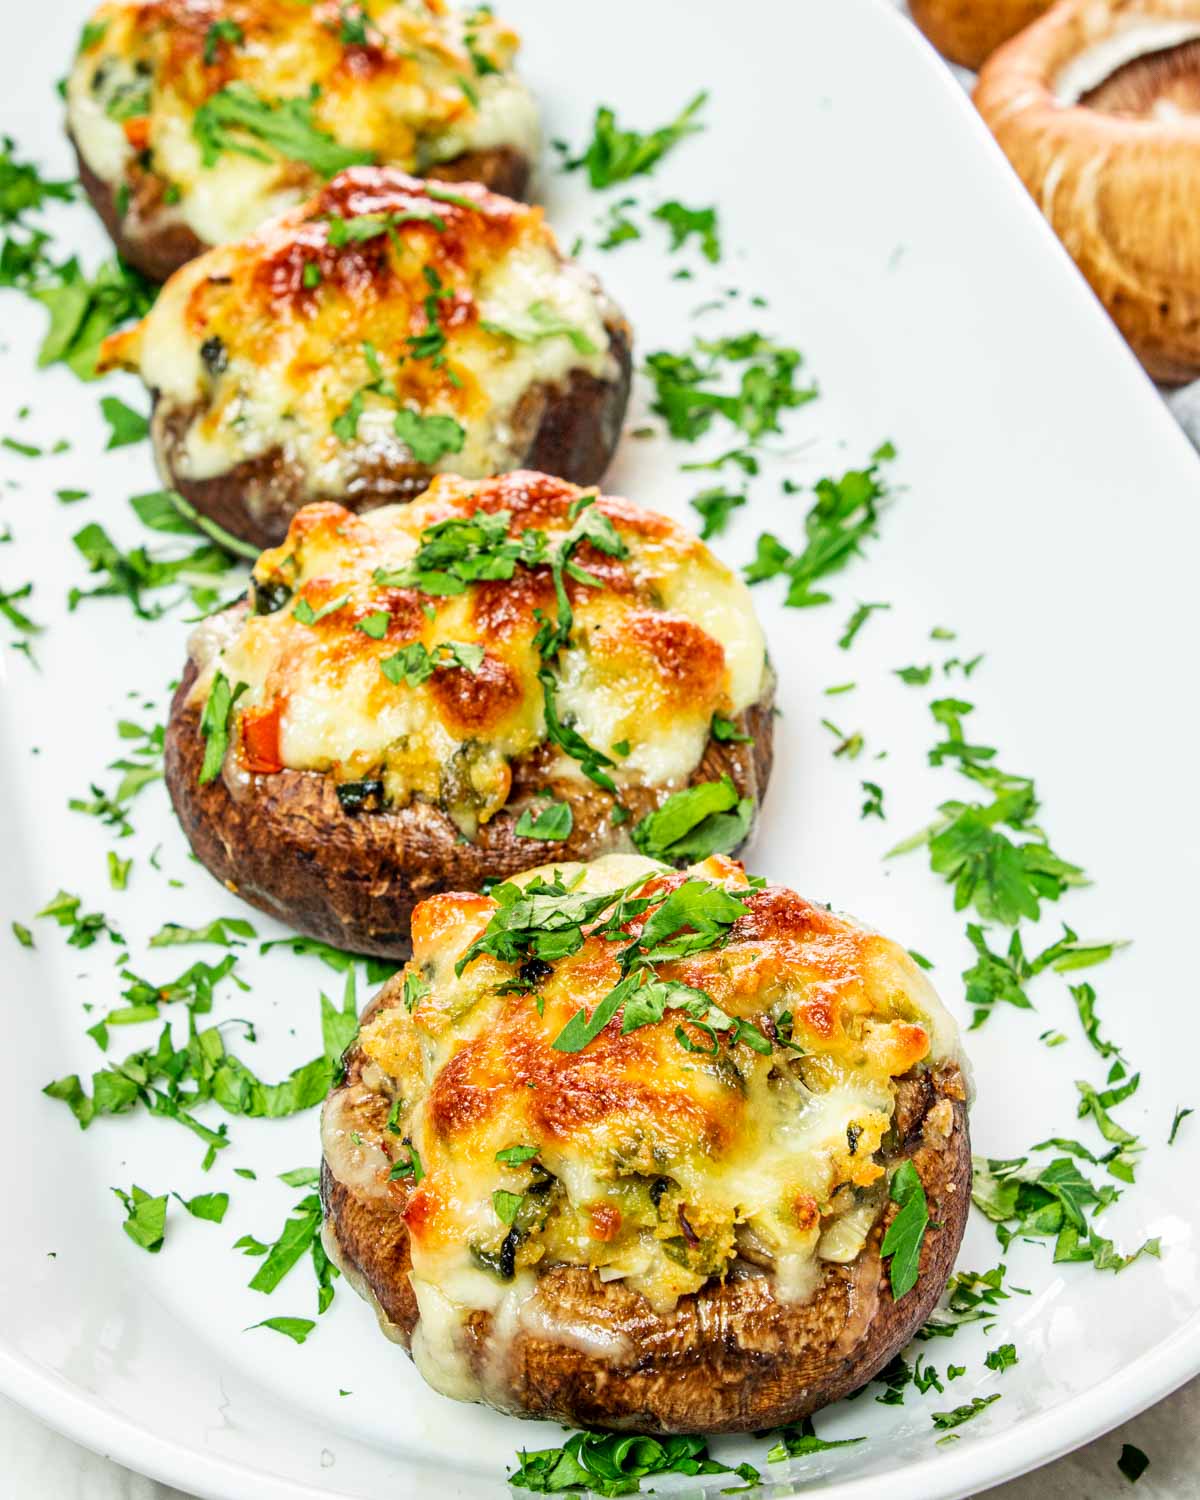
pixel 623 1147
pixel 386 331
pixel 196 120
pixel 436 695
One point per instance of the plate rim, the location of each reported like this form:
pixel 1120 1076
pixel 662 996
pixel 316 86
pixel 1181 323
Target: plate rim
pixel 946 1476
pixel 988 1460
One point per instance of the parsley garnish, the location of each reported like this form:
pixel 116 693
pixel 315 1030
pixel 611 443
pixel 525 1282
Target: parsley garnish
pixel 961 1414
pixel 542 322
pixel 970 1297
pixel 414 664
pixel 1051 1201
pixel 215 725
pixel 856 622
pixel 714 507
pixel 872 806
pixel 709 818
pixel 685 397
pixel 236 115
pixel 1180 1116
pixel 515 1156
pixel 554 821
pixel 125 425
pixel 307 615
pixel 145 1218
pixel 1002 1358
pixel 296 1329
pixel 906 1232
pixel 614 155
pixel 226 932
pixel 428 438
pixel 220 31
pixel 613 1463
pixel 684 222
pixel 800 1439
pixel 845 515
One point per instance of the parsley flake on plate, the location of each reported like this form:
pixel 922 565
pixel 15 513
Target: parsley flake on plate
pixel 614 155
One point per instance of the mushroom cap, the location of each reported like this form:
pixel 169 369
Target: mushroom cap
pixel 1097 106
pixel 968 31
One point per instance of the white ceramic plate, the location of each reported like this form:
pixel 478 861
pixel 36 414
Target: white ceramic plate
pixel 1049 518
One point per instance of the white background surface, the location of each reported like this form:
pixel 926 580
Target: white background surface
pixel 934 309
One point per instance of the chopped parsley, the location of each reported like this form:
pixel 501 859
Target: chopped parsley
pixel 845 515
pixel 208 1206
pixel 856 622
pixel 516 1156
pixel 220 31
pixel 914 676
pixel 307 615
pixel 145 1218
pixel 85 928
pixel 715 507
pixel 428 438
pixel 1002 1358
pixel 296 1329
pixel 414 664
pixel 725 731
pixel 708 818
pixel 613 1463
pixel 542 322
pixel 872 806
pixel 1050 1202
pixel 687 396
pixel 969 1297
pixel 684 222
pixel 906 1233
pixel 299 1237
pixel 554 821
pixel 125 425
pixel 961 1414
pixel 131 574
pixel 614 155
pixel 1180 1114
pixel 215 724
pixel 800 1439
pixel 236 117
pixel 226 932
pixel 168 511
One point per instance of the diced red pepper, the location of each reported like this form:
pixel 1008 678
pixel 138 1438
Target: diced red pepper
pixel 260 739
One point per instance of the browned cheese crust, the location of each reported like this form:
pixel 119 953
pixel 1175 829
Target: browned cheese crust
pixel 287 846
pixel 730 1358
pixel 574 427
pixel 163 247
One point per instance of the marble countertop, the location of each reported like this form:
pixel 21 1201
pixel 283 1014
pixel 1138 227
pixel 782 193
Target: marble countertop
pixel 38 1464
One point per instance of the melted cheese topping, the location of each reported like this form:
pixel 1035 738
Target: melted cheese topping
pixel 666 641
pixel 290 344
pixel 406 82
pixel 655 1165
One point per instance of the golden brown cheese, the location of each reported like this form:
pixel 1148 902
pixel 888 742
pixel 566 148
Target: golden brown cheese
pixel 667 639
pixel 658 1161
pixel 382 295
pixel 409 83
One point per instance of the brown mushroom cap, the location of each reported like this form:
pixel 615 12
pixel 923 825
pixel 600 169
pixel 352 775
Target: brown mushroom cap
pixel 967 31
pixel 1097 106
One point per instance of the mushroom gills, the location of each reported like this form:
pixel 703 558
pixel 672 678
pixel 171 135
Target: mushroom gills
pixel 1150 70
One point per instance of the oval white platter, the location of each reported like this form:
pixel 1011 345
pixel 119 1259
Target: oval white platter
pixel 1047 514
